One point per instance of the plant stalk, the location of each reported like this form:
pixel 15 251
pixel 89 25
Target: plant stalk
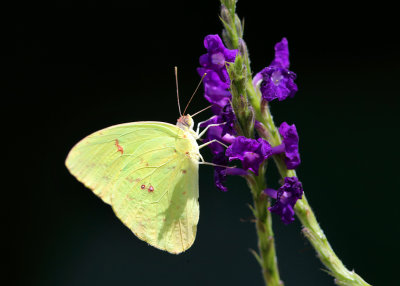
pixel 266 242
pixel 311 228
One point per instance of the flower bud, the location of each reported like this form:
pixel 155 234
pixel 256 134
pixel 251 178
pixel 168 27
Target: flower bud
pixel 225 15
pixel 242 47
pixel 238 26
pixel 262 130
pixel 226 38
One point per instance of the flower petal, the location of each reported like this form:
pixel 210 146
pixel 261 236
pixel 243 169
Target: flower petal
pixel 277 83
pixel 281 59
pixel 291 141
pixel 250 152
pixel 287 196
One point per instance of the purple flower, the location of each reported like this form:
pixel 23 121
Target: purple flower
pixel 250 151
pixel 228 116
pixel 219 172
pixel 286 197
pixel 290 145
pixel 291 141
pixel 277 82
pixel 213 63
pixel 214 133
pixel 217 54
pixel 224 133
pixel 216 91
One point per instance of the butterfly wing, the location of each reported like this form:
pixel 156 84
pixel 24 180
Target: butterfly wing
pixel 143 170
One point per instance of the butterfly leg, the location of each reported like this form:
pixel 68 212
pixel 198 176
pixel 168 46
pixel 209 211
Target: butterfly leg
pixel 216 165
pixel 199 135
pixel 211 164
pixel 212 141
pixel 202 162
pixel 201 158
pixel 198 125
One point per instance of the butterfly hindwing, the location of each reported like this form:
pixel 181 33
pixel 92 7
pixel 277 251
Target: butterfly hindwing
pixel 160 204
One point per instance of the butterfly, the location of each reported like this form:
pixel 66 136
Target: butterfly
pixel 148 173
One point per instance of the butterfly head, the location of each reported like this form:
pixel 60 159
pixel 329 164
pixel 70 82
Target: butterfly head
pixel 185 122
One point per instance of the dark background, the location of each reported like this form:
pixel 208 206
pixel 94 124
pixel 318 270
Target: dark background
pixel 77 67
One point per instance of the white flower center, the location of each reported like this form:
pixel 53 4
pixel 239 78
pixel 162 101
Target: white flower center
pixel 276 77
pixel 218 59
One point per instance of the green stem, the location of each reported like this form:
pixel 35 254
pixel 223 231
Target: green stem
pixel 266 242
pixel 316 236
pixel 311 230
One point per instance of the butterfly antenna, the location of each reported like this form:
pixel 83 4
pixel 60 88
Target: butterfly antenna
pixel 201 110
pixel 177 90
pixel 201 80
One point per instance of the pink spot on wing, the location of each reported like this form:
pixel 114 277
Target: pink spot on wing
pixel 142 187
pixel 151 189
pixel 119 147
pixel 183 171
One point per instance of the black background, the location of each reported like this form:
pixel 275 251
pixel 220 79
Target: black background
pixel 77 67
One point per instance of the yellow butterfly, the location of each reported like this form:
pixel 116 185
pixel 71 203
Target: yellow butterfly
pixel 148 173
